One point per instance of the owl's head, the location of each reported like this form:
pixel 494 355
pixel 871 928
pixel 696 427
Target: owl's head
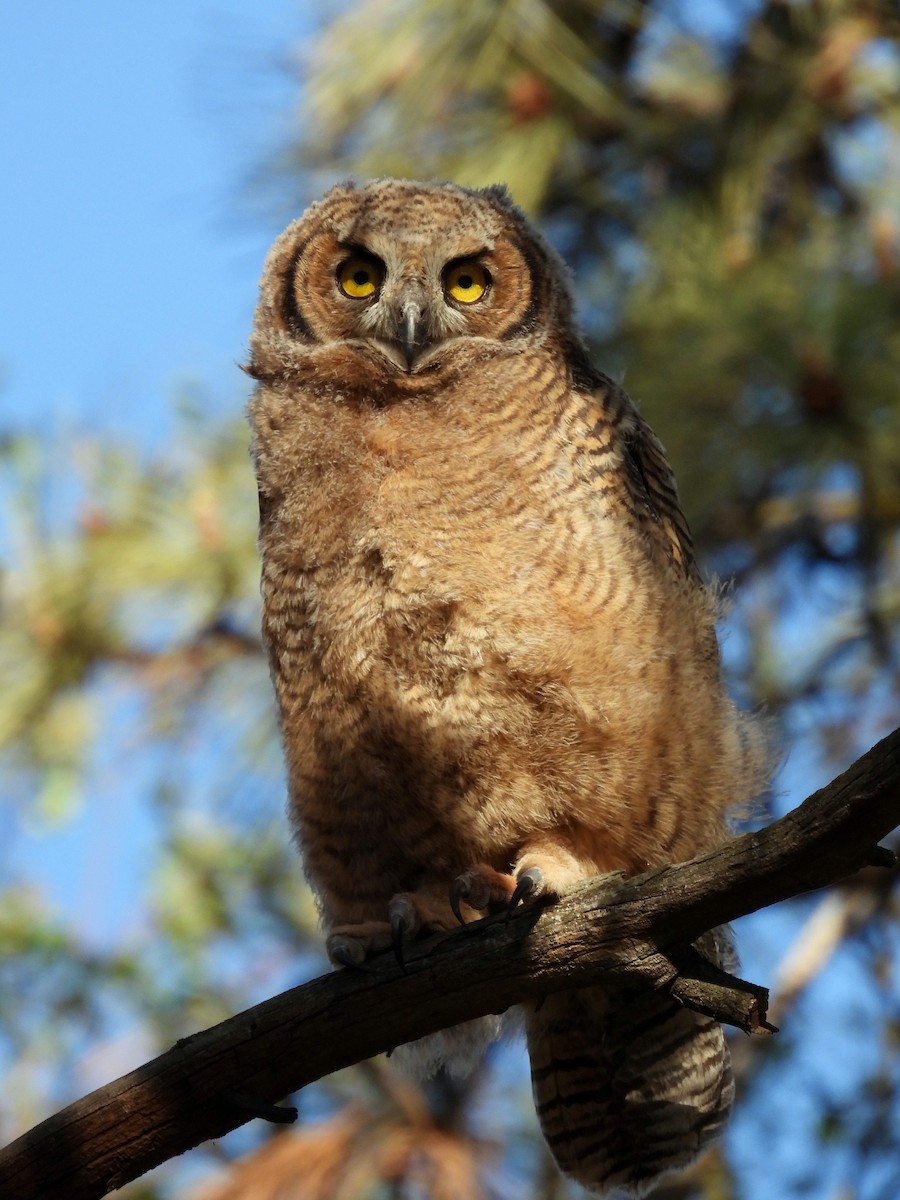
pixel 409 277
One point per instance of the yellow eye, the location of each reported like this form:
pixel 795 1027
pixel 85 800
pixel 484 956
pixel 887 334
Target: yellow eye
pixel 360 277
pixel 466 281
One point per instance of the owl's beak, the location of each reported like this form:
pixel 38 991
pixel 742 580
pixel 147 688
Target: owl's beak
pixel 410 331
pixel 402 332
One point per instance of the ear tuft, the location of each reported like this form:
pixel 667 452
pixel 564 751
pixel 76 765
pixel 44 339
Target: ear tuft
pixel 498 193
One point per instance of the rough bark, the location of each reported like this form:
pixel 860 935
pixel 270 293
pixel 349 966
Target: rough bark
pixel 636 930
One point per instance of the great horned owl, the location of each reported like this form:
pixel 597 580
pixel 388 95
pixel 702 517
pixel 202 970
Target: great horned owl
pixel 495 661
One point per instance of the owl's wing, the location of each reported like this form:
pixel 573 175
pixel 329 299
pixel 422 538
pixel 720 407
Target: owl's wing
pixel 652 486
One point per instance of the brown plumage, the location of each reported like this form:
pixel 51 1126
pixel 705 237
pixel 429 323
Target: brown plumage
pixel 494 658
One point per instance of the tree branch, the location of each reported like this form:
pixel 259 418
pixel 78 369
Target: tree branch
pixel 637 931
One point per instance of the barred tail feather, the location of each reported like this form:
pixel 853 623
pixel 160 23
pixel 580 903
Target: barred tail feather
pixel 628 1086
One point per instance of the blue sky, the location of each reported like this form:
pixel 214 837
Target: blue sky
pixel 129 261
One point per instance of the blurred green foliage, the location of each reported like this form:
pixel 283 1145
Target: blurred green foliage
pixel 725 181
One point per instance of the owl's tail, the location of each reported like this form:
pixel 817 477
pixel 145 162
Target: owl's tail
pixel 627 1086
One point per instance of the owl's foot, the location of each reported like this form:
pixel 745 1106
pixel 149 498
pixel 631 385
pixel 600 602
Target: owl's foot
pixel 547 867
pixel 542 869
pixel 410 914
pixel 352 945
pixel 344 956
pixel 482 888
pixel 427 910
pixel 546 873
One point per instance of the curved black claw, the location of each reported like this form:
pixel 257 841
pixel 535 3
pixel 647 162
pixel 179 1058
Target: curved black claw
pixel 398 928
pixel 458 891
pixel 345 959
pixel 526 883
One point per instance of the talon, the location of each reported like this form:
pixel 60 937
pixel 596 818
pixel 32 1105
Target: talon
pixel 457 891
pixel 397 931
pixel 342 956
pixel 526 883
